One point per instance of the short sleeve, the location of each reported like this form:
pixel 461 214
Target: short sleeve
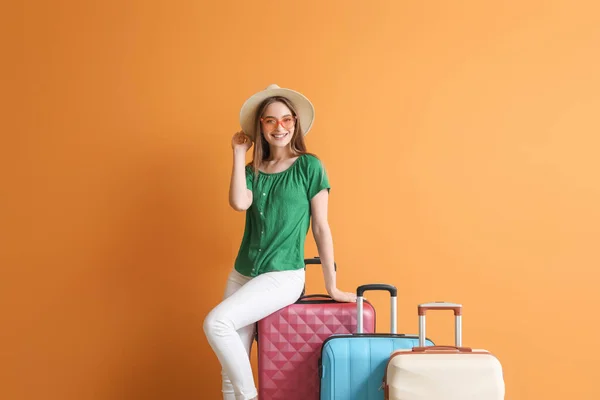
pixel 249 177
pixel 317 177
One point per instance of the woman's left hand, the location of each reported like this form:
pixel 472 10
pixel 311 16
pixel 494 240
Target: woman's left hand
pixel 343 297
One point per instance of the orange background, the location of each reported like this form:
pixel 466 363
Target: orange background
pixel 461 140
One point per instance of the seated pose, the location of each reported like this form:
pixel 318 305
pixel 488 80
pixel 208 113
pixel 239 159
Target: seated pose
pixel 281 190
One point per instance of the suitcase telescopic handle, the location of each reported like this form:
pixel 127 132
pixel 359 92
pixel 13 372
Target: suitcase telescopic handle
pixel 457 308
pixel 393 304
pixel 311 261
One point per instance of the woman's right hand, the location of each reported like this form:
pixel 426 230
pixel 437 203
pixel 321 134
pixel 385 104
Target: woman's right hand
pixel 241 141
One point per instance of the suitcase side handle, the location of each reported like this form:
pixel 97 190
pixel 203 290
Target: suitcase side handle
pixel 456 308
pixel 393 304
pixel 444 349
pixel 317 296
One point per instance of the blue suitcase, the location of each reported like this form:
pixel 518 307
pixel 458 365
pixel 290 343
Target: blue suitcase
pixel 352 366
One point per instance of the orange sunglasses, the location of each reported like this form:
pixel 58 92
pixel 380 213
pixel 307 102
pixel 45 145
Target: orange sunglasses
pixel 272 123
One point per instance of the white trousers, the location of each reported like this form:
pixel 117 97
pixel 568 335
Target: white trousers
pixel 230 326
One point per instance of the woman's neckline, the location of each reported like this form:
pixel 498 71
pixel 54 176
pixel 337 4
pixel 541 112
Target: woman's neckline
pixel 285 170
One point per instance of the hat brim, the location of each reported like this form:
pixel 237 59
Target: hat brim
pixel 304 108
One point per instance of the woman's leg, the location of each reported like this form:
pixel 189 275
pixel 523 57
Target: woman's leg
pixel 254 300
pixel 234 282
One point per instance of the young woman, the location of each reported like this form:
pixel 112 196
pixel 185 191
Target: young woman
pixel 281 190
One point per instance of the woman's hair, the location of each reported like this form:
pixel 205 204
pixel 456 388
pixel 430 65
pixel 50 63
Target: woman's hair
pixel 262 150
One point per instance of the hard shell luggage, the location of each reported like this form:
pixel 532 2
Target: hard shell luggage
pixel 352 366
pixel 443 372
pixel 289 343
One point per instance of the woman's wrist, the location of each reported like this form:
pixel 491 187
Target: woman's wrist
pixel 331 290
pixel 238 152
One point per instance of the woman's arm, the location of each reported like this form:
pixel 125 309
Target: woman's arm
pixel 240 197
pixel 324 241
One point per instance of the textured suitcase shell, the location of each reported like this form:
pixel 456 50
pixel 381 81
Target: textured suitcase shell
pixel 290 341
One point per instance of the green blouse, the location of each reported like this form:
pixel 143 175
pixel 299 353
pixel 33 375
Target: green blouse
pixel 278 220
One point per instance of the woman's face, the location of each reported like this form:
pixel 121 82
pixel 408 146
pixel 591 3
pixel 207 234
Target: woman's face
pixel 277 124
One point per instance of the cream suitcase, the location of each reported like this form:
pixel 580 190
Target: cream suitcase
pixel 443 372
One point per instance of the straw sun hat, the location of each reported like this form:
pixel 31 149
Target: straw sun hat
pixel 305 109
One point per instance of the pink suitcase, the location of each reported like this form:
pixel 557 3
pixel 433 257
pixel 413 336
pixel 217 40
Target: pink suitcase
pixel 289 343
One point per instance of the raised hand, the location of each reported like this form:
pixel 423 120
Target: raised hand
pixel 241 141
